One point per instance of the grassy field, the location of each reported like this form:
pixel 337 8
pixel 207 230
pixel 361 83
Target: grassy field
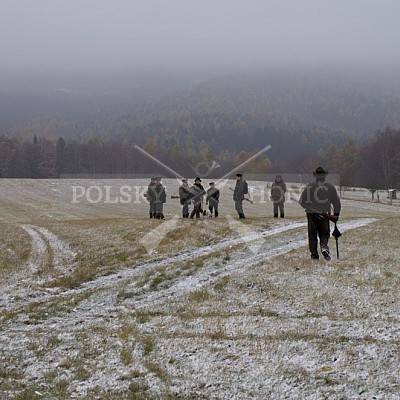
pixel 100 302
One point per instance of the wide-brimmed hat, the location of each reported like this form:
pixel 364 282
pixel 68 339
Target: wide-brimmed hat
pixel 320 172
pixel 197 179
pixel 239 175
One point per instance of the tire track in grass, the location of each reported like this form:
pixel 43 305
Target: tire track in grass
pixel 189 255
pixel 209 275
pixel 39 249
pixel 118 278
pixel 47 249
pixel 183 285
pixel 47 253
pixel 62 254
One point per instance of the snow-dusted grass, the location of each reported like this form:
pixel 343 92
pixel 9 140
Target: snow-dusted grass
pixel 216 310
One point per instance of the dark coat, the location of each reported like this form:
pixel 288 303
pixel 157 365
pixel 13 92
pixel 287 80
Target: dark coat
pixel 158 194
pixel 239 192
pixel 318 197
pixel 278 190
pixel 197 192
pixel 150 193
pixel 184 193
pixel 212 194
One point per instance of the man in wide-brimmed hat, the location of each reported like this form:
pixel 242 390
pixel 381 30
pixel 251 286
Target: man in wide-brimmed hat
pixel 317 199
pixel 197 192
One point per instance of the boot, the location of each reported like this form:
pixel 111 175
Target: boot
pixel 282 215
pixel 216 214
pixel 241 215
pixel 162 216
pixel 151 215
pixel 275 215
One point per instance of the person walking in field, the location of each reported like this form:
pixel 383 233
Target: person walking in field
pixel 212 199
pixel 184 198
pixel 317 199
pixel 241 188
pixel 278 190
pixel 197 193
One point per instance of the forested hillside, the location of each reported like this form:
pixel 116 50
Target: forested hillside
pixel 307 117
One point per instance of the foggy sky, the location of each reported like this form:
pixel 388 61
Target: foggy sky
pixel 124 34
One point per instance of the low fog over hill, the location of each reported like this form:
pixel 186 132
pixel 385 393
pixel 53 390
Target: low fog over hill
pixel 197 81
pixel 354 103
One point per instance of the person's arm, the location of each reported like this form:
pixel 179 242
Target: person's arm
pixel 303 197
pixel 335 201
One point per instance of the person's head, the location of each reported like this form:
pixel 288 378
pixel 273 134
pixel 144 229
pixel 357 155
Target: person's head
pixel 278 178
pixel 184 181
pixel 211 184
pixel 320 174
pixel 239 176
pixel 152 179
pixel 197 181
pixel 158 180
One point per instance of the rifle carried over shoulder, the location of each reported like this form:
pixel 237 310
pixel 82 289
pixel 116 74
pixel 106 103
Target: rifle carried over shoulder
pixel 246 198
pixel 317 212
pixel 204 212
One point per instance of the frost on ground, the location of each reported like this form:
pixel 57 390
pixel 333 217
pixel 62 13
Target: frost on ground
pixel 215 311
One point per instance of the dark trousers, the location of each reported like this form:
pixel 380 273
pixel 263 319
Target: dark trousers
pixel 213 206
pixel 317 228
pixel 239 206
pixel 185 210
pixel 196 210
pixel 159 210
pixel 279 206
pixel 151 208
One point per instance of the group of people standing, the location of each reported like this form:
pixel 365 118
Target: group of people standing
pixel 318 199
pixel 197 193
pixel 194 195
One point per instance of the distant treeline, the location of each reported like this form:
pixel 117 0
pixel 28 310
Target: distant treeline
pixel 374 164
pixel 309 119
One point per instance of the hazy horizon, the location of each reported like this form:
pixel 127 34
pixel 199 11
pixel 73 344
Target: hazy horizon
pixel 104 36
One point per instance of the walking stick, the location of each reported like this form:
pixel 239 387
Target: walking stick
pixel 336 234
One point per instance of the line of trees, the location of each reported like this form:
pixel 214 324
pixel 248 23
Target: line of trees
pixel 375 164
